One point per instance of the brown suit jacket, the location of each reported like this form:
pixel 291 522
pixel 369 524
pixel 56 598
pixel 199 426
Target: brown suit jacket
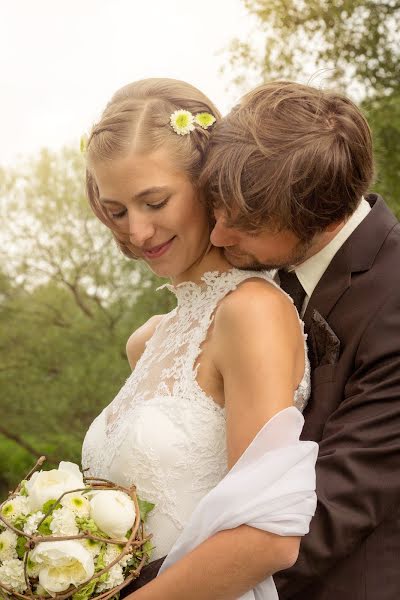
pixel 353 320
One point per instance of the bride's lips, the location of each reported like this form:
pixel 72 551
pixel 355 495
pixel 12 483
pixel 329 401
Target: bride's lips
pixel 157 251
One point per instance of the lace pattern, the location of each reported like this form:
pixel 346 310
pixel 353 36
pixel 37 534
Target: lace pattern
pixel 162 431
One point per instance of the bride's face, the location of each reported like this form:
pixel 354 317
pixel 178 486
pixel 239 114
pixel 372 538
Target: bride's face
pixel 158 207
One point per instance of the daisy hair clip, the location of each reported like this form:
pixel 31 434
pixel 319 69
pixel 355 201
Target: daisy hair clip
pixel 183 121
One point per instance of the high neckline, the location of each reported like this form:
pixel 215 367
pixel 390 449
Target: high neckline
pixel 189 290
pixel 211 283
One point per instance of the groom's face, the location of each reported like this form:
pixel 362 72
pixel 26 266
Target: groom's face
pixel 266 249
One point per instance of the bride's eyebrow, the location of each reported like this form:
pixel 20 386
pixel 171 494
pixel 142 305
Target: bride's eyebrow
pixel 143 194
pixel 150 191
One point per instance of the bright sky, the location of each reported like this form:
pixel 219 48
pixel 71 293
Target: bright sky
pixel 61 60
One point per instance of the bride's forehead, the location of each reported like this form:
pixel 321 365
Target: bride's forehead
pixel 156 166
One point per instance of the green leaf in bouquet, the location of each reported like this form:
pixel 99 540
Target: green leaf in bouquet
pixel 91 545
pixel 136 559
pixel 44 527
pixel 148 548
pixel 87 524
pixel 145 507
pixel 20 547
pixel 23 489
pixel 101 563
pixel 20 521
pixel 50 505
pixel 86 591
pixel 30 567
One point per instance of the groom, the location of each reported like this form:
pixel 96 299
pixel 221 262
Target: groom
pixel 289 172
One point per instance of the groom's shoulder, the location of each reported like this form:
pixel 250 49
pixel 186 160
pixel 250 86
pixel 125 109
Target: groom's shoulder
pixel 375 245
pixel 385 236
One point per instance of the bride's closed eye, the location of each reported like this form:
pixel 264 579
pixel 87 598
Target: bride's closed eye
pixel 160 204
pixel 118 215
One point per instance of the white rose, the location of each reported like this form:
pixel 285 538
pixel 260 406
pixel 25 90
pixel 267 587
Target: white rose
pixel 62 564
pixel 113 512
pixel 48 485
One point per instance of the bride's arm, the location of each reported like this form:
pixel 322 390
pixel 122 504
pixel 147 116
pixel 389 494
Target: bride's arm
pixel 223 567
pixel 259 351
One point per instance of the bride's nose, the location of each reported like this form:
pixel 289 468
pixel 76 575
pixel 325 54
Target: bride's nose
pixel 141 229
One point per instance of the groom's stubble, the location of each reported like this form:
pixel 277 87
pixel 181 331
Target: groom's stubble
pixel 249 262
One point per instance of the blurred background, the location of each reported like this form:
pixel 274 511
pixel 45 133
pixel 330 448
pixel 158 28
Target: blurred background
pixel 68 299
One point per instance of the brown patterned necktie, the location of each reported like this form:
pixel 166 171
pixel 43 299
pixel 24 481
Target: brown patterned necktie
pixel 291 285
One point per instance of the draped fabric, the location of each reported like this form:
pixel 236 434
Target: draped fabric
pixel 271 487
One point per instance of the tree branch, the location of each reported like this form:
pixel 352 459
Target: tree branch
pixel 20 442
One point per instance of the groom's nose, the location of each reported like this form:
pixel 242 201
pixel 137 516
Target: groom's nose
pixel 222 235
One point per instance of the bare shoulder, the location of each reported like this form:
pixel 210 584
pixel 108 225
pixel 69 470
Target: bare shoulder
pixel 257 305
pixel 259 352
pixel 137 341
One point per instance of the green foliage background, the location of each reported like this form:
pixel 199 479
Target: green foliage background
pixel 68 303
pixel 351 45
pixel 69 300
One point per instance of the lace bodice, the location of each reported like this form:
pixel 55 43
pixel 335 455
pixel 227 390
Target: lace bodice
pixel 162 432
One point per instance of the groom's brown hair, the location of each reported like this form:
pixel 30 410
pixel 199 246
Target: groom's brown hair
pixel 289 156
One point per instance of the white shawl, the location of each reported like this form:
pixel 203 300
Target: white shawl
pixel 271 487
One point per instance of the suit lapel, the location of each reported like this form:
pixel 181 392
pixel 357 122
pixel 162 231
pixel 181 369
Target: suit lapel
pixel 356 255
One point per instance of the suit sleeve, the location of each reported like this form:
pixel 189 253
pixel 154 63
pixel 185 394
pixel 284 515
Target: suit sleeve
pixel 359 458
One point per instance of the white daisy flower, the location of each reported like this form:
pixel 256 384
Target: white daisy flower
pixel 8 544
pixel 204 119
pixel 182 122
pixel 16 507
pixel 12 574
pixel 63 522
pixel 77 503
pixel 32 522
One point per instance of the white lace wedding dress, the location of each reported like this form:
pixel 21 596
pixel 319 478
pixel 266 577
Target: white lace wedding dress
pixel 162 432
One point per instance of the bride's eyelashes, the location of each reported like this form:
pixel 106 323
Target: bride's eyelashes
pixel 160 204
pixel 121 214
pixel 118 215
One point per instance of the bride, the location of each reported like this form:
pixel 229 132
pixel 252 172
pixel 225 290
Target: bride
pixel 207 426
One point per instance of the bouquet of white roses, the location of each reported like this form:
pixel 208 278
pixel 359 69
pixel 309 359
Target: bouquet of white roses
pixel 64 535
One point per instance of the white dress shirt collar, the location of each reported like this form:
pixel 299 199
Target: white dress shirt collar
pixel 311 270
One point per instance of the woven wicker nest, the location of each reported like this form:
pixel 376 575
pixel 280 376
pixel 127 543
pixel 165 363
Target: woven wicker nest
pixel 134 545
